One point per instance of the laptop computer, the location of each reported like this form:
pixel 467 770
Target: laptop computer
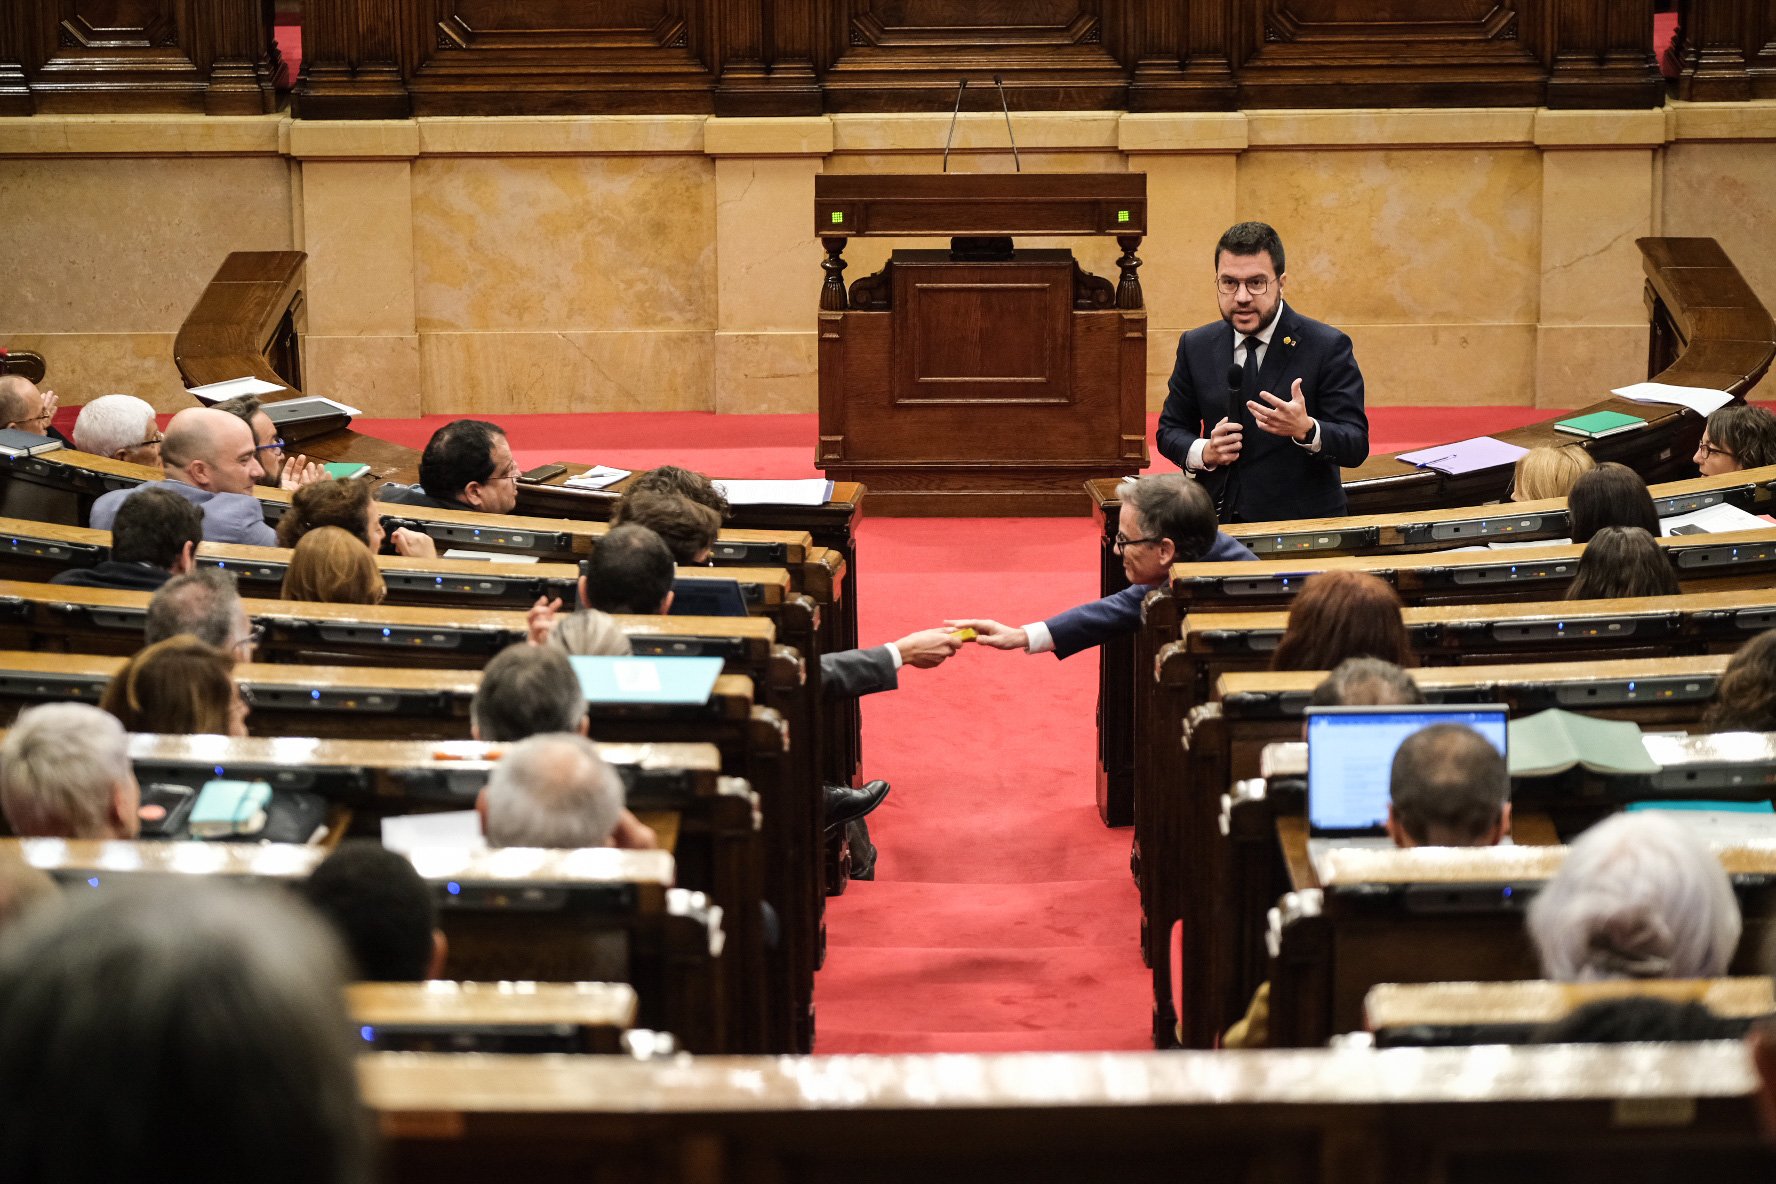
pixel 1350 756
pixel 708 598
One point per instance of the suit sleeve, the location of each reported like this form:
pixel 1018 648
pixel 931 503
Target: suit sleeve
pixel 1338 405
pixel 1180 421
pixel 247 525
pixel 1098 621
pixel 850 673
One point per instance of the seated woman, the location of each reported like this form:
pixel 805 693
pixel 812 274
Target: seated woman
pixel 330 566
pixel 1548 472
pixel 1610 495
pixel 1622 561
pixel 349 506
pixel 1639 896
pixel 180 686
pixel 1745 697
pixel 1738 436
pixel 1340 615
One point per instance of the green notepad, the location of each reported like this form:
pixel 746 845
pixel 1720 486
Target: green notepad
pixel 345 470
pixel 227 807
pixel 1599 424
pixel 1554 741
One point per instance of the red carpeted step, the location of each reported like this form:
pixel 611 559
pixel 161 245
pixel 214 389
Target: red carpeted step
pixel 937 915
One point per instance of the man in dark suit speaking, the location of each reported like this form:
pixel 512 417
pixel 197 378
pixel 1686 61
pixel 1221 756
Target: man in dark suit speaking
pixel 1263 456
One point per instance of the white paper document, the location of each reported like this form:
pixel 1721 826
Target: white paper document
pixel 1718 519
pixel 407 833
pixel 596 477
pixel 812 491
pixel 215 392
pixel 1510 544
pixel 1700 399
pixel 487 556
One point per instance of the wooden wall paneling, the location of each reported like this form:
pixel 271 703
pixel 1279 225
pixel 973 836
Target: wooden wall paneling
pixel 94 55
pixel 1713 37
pixel 352 59
pixel 1603 55
pixel 241 55
pixel 15 59
pixel 1388 53
pixel 909 55
pixel 568 57
pixel 767 58
pixel 1760 22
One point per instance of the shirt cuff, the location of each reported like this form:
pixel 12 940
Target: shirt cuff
pixel 894 655
pixel 1312 443
pixel 1193 460
pixel 1038 639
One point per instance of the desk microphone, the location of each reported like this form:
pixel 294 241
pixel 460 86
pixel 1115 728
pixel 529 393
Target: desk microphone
pixel 953 115
pixel 1009 134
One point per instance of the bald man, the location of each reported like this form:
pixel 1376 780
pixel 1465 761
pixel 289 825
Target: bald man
pixel 24 408
pixel 210 459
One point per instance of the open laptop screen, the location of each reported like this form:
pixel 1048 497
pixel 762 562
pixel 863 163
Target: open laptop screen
pixel 1350 754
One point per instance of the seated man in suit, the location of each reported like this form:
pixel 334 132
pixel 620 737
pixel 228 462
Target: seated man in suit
pixel 210 460
pixel 382 911
pixel 1262 456
pixel 527 690
pixel 65 773
pixel 281 472
pixel 121 427
pixel 24 408
pixel 552 790
pixel 1164 520
pixel 466 465
pixel 206 605
pixel 153 538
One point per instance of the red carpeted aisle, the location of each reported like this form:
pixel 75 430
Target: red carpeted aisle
pixel 1003 917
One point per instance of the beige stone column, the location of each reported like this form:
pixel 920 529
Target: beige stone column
pixel 1598 196
pixel 767 263
pixel 1192 167
pixel 355 220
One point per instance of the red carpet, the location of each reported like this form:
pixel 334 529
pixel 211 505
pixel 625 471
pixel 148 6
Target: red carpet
pixel 1002 917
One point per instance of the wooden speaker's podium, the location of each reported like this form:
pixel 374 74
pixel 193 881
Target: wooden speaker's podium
pixel 982 380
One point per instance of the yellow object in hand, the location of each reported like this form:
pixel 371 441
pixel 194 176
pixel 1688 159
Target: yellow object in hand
pixel 964 635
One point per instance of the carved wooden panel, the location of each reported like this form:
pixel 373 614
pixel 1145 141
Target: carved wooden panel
pixel 1727 49
pixel 139 55
pixel 910 54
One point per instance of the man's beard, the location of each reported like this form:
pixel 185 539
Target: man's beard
pixel 1275 310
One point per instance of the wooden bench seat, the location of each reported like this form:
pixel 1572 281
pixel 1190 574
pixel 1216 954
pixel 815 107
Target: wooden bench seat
pixel 521 1017
pixel 516 913
pixel 1431 1014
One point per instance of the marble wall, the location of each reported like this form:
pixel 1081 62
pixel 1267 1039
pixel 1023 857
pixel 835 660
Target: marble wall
pixel 636 263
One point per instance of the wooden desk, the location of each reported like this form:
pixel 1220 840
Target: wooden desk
pixel 1421 1014
pixel 507 1017
pixel 1344 1116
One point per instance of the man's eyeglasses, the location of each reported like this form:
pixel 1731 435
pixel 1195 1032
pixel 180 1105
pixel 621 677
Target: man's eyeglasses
pixel 512 476
pixel 153 442
pixel 1708 450
pixel 277 442
pixel 1257 285
pixel 1123 542
pixel 254 636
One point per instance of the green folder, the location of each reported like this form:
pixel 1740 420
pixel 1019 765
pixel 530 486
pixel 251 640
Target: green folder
pixel 344 470
pixel 1599 424
pixel 1554 741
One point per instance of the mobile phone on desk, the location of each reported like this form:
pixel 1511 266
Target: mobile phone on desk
pixel 542 474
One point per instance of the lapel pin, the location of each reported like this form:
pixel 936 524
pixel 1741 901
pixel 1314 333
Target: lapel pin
pixel 1288 341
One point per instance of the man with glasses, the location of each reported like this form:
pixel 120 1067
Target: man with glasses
pixel 1265 405
pixel 121 427
pixel 24 408
pixel 205 604
pixel 467 465
pixel 280 472
pixel 1164 520
pixel 210 460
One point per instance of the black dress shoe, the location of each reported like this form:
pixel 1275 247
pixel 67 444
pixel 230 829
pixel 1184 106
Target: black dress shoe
pixel 844 804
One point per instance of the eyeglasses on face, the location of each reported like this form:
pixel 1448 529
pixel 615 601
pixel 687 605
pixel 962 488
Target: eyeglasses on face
pixel 1123 542
pixel 1707 450
pixel 277 442
pixel 512 476
pixel 254 636
pixel 1257 285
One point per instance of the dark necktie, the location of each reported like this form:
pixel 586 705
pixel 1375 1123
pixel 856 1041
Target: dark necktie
pixel 1250 381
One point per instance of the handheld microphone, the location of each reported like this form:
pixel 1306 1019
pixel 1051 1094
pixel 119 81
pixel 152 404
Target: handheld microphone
pixel 953 115
pixel 1016 160
pixel 1236 377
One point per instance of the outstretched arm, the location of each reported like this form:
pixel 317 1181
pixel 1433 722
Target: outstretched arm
pixel 994 634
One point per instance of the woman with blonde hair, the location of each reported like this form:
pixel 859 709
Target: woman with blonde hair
pixel 329 566
pixel 181 687
pixel 1549 472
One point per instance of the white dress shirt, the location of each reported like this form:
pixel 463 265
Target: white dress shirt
pixel 1194 461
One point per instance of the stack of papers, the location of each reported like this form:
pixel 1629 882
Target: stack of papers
pixel 812 491
pixel 407 833
pixel 1465 456
pixel 1702 400
pixel 596 477
pixel 1718 519
pixel 216 392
